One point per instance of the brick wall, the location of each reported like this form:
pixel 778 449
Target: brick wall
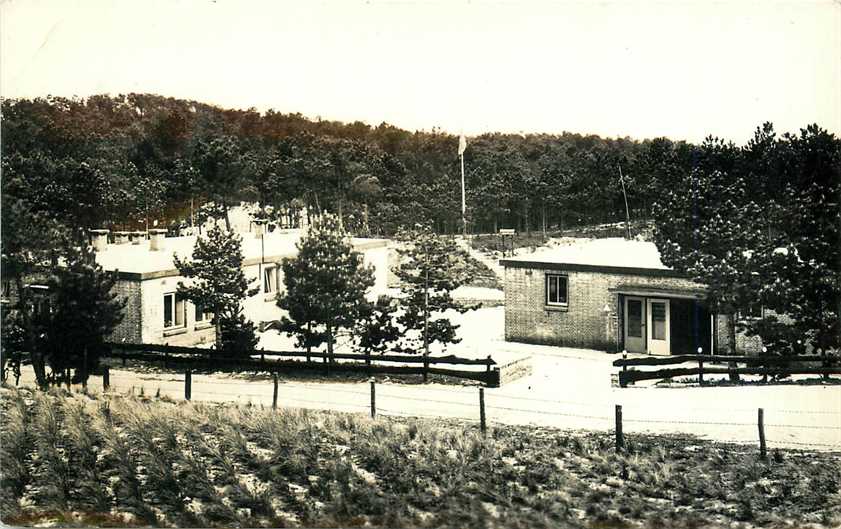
pixel 584 323
pixel 129 330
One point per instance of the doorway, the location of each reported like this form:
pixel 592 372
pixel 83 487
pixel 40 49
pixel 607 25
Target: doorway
pixel 658 326
pixel 635 336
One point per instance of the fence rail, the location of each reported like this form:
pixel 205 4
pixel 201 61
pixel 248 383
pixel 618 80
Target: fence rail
pixel 754 365
pixel 272 361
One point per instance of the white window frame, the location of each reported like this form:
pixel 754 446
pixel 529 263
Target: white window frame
pixel 175 299
pixel 201 316
pixel 270 272
pixel 555 277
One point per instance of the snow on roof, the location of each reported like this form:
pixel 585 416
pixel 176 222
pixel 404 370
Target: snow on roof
pixel 615 252
pixel 138 258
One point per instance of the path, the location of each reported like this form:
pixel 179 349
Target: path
pixel 570 388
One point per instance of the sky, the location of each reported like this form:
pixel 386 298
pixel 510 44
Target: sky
pixel 680 69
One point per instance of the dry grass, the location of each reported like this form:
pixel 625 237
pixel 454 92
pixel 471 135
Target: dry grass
pixel 87 460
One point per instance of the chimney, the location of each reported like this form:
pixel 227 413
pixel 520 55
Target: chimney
pixel 137 236
pixel 121 237
pixel 99 239
pixel 259 228
pixel 156 239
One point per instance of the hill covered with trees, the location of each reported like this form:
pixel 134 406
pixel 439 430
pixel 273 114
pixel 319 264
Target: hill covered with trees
pixel 123 161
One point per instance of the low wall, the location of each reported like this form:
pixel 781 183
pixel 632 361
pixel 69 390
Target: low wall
pixel 514 370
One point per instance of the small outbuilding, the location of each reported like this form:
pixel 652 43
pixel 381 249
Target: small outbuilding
pixel 609 294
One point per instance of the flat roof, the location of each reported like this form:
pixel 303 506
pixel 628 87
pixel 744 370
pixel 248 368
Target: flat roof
pixel 137 261
pixel 608 255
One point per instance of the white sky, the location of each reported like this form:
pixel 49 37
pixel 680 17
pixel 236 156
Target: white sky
pixel 642 69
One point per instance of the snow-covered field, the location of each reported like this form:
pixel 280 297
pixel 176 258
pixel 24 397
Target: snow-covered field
pixel 569 388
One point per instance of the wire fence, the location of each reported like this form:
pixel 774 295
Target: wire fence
pixel 476 405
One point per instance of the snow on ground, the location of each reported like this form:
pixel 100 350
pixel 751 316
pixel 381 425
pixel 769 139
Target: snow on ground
pixel 569 388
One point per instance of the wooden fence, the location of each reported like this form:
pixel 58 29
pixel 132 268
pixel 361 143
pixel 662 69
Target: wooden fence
pixel 824 365
pixel 273 361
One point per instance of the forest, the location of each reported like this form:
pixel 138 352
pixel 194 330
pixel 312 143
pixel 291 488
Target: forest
pixel 126 161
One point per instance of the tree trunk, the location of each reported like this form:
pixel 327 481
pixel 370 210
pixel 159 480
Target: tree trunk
pixel 218 332
pixel 330 341
pixel 309 336
pixel 543 217
pixel 426 312
pixel 37 356
pixel 227 217
pixel 731 344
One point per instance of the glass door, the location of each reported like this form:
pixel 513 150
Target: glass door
pixel 658 327
pixel 634 325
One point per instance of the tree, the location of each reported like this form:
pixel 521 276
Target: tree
pixel 84 309
pixel 219 286
pixel 325 284
pixel 801 257
pixel 431 267
pixel 376 329
pixel 707 230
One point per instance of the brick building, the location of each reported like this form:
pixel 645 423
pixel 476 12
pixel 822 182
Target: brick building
pixel 613 295
pixel 148 279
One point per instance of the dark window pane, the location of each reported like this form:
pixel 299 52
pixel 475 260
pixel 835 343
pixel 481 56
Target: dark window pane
pixel 658 321
pixel 562 289
pixel 168 310
pixel 635 318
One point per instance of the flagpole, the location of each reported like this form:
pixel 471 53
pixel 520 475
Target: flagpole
pixel 463 202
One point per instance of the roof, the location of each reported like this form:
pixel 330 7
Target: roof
pixel 137 261
pixel 606 255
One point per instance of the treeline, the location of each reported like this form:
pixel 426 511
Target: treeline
pixel 126 161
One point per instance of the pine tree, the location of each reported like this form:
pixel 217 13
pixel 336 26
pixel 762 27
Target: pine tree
pixel 709 232
pixel 219 286
pixel 83 311
pixel 377 328
pixel 431 267
pixel 325 285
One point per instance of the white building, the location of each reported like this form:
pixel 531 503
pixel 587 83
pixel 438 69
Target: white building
pixel 148 279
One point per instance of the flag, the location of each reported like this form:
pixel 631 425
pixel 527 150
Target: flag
pixel 462 144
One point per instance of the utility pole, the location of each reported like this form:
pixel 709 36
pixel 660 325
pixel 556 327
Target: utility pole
pixel 627 212
pixel 462 145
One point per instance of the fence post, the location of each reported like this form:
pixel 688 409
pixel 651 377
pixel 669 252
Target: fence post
pixel 85 368
pixel 761 423
pixel 825 364
pixel 622 380
pixel 274 393
pixel 425 367
pixel 106 378
pixel 188 385
pixel 373 401
pixel 123 357
pixel 700 367
pixel 620 437
pixel 482 424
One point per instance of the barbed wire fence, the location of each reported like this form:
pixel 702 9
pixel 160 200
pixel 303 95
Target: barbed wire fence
pixel 475 407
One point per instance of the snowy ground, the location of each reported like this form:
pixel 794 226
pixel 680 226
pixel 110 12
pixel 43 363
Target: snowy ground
pixel 570 388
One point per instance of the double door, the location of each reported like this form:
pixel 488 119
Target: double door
pixel 647 325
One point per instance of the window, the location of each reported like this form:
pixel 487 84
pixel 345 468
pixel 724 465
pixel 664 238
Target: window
pixel 556 290
pixel 202 315
pixel 174 311
pixel 753 312
pixel 269 279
